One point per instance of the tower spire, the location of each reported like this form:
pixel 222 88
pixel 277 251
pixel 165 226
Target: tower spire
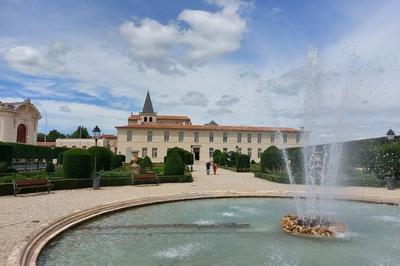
pixel 148 105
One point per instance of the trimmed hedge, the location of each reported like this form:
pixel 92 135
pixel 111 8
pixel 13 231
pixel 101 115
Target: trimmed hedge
pixel 33 152
pixel 6 153
pixel 231 159
pixel 77 163
pixel 223 158
pixel 217 153
pixel 49 167
pixel 271 159
pixel 242 161
pixel 278 178
pixel 60 158
pixel 117 160
pixel 146 165
pixel 186 156
pixel 175 178
pixel 103 158
pixel 174 164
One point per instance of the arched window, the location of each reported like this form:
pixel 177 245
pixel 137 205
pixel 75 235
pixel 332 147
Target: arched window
pixel 145 119
pixel 151 119
pixel 21 133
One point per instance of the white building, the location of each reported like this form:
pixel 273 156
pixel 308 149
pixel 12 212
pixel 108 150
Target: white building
pixel 19 122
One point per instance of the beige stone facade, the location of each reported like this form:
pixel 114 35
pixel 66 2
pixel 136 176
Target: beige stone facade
pixel 152 134
pixel 107 141
pixel 19 122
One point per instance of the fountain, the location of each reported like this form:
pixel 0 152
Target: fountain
pixel 321 166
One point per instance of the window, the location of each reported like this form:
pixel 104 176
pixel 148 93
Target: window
pixel 211 152
pixel 151 119
pixel 239 150
pixel 211 136
pixel 225 149
pixel 73 146
pixel 248 137
pixel 180 136
pixel 144 152
pixel 154 153
pixel 129 136
pixel 284 138
pixel 149 136
pixel 166 136
pixel 196 136
pixel 225 137
pixel 259 153
pixel 249 152
pixel 239 137
pixel 272 138
pixel 259 138
pixel 145 119
pixel 297 138
pixel 84 147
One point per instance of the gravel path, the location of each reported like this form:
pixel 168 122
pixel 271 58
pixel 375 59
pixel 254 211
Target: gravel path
pixel 21 216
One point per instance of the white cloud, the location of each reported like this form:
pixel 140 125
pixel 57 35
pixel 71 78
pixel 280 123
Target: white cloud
pixel 30 60
pixel 194 98
pixel 169 48
pixel 275 11
pixel 227 100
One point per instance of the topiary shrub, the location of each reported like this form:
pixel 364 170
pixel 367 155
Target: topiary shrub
pixel 242 161
pixel 6 153
pixel 231 159
pixel 60 157
pixel 186 156
pixel 146 165
pixel 216 155
pixel 174 164
pixel 116 161
pixel 77 164
pixel 103 158
pixel 49 167
pixel 271 160
pixel 223 158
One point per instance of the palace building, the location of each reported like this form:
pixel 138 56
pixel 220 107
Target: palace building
pixel 19 122
pixel 151 134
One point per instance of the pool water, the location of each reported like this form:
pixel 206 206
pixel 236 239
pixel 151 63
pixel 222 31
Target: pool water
pixel 240 231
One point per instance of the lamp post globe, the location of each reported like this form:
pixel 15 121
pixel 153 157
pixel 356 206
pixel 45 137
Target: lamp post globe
pixel 390 135
pixel 96 179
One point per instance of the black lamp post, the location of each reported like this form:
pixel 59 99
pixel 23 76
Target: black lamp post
pixel 390 181
pixel 96 179
pixel 191 150
pixel 237 149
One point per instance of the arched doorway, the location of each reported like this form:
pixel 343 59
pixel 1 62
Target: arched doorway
pixel 21 133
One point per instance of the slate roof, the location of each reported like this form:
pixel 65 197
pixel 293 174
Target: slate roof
pixel 148 105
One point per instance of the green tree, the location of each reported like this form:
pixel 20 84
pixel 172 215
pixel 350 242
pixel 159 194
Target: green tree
pixel 271 159
pixel 54 134
pixel 80 132
pixel 216 155
pixel 40 137
pixel 174 164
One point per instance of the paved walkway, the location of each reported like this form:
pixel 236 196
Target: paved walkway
pixel 24 215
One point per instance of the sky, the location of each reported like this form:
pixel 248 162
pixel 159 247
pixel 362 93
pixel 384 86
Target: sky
pixel 332 67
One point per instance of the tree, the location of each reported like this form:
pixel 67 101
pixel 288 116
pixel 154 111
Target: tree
pixel 40 137
pixel 80 133
pixel 271 159
pixel 53 135
pixel 216 155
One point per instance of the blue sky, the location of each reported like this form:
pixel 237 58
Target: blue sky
pixel 320 64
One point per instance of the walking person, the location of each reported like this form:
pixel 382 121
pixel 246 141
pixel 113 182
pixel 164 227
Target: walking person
pixel 215 167
pixel 208 167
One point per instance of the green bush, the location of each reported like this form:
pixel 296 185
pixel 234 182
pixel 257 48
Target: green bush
pixel 295 155
pixel 231 159
pixel 6 153
pixel 60 158
pixel 242 161
pixel 271 160
pixel 117 160
pixel 186 156
pixel 174 164
pixel 49 167
pixel 103 158
pixel 222 159
pixel 253 162
pixel 216 155
pixel 146 165
pixel 77 164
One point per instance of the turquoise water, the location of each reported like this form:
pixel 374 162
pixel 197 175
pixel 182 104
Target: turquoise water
pixel 189 235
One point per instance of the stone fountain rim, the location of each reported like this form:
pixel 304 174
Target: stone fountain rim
pixel 27 252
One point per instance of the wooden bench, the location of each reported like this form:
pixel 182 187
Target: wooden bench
pixel 149 178
pixel 31 183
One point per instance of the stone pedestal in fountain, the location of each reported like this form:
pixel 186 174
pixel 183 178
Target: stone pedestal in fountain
pixel 292 224
pixel 135 168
